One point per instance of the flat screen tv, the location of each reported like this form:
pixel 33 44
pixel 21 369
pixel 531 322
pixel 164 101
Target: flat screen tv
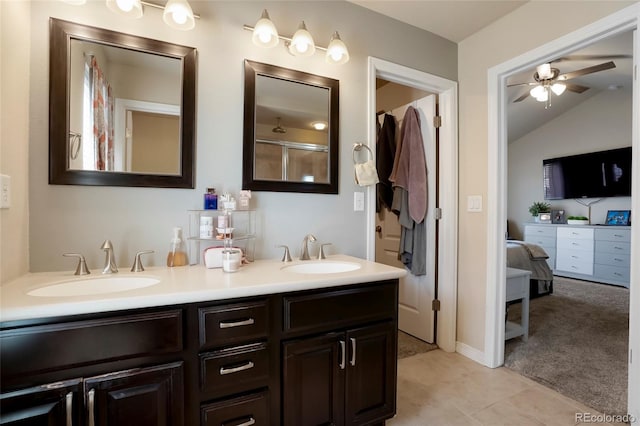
pixel 592 175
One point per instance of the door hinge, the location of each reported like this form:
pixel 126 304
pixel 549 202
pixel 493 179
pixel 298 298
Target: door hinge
pixel 435 305
pixel 437 213
pixel 437 121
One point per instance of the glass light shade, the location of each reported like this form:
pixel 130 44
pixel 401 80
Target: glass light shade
pixel 544 71
pixel 129 8
pixel 337 52
pixel 558 88
pixel 537 91
pixel 178 14
pixel 544 97
pixel 265 33
pixel 302 43
pixel 319 125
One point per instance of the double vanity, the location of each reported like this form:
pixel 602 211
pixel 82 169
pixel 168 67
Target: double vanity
pixel 300 343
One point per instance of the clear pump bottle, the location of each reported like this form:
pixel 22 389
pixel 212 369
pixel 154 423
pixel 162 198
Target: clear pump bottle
pixel 177 252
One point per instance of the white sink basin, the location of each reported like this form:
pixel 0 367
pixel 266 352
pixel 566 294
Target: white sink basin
pixel 93 286
pixel 322 267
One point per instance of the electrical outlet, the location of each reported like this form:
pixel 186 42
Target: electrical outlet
pixel 358 201
pixel 5 191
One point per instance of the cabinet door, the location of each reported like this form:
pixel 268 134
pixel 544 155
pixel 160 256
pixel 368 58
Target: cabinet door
pixel 371 374
pixel 313 381
pixel 54 404
pixel 150 396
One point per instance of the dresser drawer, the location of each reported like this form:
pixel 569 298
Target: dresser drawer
pixel 237 369
pixel 572 244
pixel 612 273
pixel 575 233
pixel 544 242
pixel 575 256
pixel 540 231
pixel 613 259
pixel 564 263
pixel 613 247
pixel 245 410
pixel 623 235
pixel 230 324
pixel 318 311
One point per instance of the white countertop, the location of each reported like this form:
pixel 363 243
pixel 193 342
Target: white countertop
pixel 179 285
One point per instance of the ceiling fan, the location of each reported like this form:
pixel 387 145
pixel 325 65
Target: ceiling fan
pixel 548 79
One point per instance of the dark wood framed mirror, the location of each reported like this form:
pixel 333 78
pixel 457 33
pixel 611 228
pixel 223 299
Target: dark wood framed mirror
pixel 122 109
pixel 291 128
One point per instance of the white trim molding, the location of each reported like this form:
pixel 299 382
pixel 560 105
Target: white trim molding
pixel 624 20
pixel 448 225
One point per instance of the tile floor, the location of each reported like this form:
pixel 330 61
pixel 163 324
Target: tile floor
pixel 440 388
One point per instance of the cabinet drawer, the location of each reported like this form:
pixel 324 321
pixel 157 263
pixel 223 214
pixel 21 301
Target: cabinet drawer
pixel 575 256
pixel 613 273
pixel 613 259
pixel 613 247
pixel 230 324
pixel 572 244
pixel 72 344
pixel 329 310
pixel 623 235
pixel 235 369
pixel 575 233
pixel 576 267
pixel 544 242
pixel 246 410
pixel 540 231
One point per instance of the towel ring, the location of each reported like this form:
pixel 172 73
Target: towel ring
pixel 358 147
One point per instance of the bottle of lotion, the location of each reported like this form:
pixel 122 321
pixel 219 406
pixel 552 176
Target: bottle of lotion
pixel 177 254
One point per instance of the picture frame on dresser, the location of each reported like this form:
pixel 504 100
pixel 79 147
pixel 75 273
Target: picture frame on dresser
pixel 618 218
pixel 558 216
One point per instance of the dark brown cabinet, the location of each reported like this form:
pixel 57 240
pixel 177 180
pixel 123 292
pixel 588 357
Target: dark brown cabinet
pixel 343 378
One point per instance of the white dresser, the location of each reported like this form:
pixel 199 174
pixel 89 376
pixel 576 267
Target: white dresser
pixel 593 253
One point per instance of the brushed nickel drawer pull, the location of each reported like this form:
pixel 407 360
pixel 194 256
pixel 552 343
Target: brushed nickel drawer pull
pixel 249 422
pixel 249 365
pixel 353 351
pixel 249 321
pixel 91 397
pixel 343 355
pixel 69 403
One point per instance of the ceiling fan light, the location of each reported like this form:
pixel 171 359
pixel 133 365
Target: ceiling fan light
pixel 302 43
pixel 319 125
pixel 178 14
pixel 537 91
pixel 128 8
pixel 544 71
pixel 265 33
pixel 337 52
pixel 544 97
pixel 559 88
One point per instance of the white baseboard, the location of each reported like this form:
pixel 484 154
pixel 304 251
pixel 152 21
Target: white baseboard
pixel 470 352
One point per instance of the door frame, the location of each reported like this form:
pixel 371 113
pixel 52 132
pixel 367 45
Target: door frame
pixel 624 20
pixel 448 225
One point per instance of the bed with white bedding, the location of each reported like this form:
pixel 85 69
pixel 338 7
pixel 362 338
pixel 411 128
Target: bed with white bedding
pixel 531 257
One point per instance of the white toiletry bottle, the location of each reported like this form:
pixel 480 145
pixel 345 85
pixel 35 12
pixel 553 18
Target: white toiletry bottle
pixel 177 253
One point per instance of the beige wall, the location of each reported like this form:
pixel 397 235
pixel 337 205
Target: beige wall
pixel 14 136
pixel 506 38
pixel 74 218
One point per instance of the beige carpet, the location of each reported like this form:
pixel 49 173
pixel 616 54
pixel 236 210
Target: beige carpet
pixel 409 345
pixel 578 343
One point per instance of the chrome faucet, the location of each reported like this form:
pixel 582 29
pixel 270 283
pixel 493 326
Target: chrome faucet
pixel 305 246
pixel 110 261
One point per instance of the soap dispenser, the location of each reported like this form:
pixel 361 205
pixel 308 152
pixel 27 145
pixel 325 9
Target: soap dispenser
pixel 177 253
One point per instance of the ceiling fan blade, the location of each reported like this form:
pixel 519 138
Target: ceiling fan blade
pixel 585 71
pixel 591 57
pixel 524 96
pixel 576 88
pixel 532 83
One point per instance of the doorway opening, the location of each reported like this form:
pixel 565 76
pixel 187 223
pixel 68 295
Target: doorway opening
pixel 446 90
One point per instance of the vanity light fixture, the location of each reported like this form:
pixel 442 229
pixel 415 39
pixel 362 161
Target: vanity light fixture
pixel 178 14
pixel 301 43
pixel 128 8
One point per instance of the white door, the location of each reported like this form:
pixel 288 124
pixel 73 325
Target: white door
pixel 416 316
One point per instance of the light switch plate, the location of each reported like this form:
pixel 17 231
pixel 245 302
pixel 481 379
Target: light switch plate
pixel 358 201
pixel 474 203
pixel 5 191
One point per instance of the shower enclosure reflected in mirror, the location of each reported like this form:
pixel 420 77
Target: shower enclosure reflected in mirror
pixel 122 109
pixel 290 130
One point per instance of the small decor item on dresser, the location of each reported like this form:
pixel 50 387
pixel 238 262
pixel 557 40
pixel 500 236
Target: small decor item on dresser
pixel 244 199
pixel 577 220
pixel 558 216
pixel 211 199
pixel 618 217
pixel 539 207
